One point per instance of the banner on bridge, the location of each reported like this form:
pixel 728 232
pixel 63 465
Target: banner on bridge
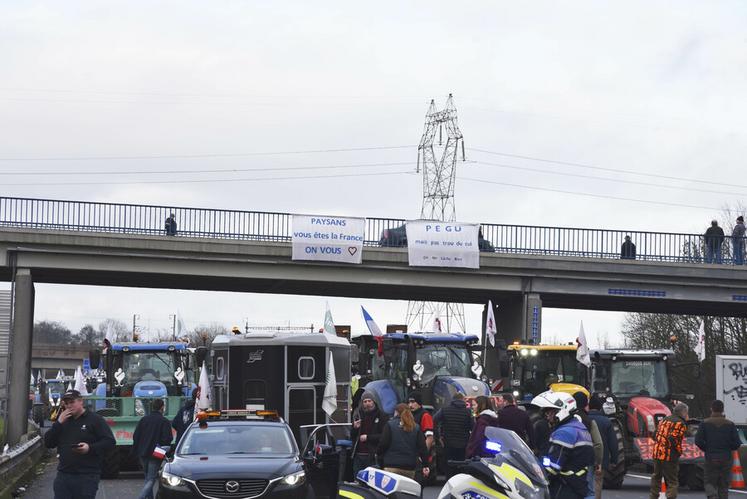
pixel 329 239
pixel 442 244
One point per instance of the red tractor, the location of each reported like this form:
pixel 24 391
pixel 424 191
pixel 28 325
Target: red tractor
pixel 638 393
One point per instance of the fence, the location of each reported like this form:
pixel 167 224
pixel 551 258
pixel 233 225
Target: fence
pixel 50 214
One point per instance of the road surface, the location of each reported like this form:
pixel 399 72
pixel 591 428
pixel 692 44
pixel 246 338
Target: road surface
pixel 129 484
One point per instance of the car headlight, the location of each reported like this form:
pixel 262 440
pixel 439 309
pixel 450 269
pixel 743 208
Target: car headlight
pixel 171 480
pixel 294 479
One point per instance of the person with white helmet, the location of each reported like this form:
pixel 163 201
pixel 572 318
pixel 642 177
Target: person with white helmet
pixel 571 452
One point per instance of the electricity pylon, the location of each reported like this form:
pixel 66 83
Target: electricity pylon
pixel 439 175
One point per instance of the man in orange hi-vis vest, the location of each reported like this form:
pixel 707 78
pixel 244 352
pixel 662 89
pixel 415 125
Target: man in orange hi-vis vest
pixel 667 450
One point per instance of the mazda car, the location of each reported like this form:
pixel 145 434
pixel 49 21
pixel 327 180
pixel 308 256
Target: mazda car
pixel 226 455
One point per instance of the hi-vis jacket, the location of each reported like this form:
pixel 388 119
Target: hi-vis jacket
pixel 568 460
pixel 668 444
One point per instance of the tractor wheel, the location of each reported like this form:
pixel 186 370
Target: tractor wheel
pixel 615 474
pixel 693 476
pixel 112 463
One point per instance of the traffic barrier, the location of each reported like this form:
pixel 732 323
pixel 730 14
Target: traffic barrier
pixel 737 477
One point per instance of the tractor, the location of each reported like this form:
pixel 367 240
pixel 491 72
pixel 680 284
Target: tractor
pixel 638 393
pixel 135 374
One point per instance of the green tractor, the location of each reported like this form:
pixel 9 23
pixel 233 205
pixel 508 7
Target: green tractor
pixel 135 374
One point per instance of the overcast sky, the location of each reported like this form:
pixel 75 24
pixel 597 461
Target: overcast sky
pixel 657 89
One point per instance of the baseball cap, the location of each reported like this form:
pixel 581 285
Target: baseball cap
pixel 72 395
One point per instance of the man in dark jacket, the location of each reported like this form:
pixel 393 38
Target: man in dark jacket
pixel 368 425
pixel 717 437
pixel 514 419
pixel 185 416
pixel 714 238
pixel 610 453
pixel 151 431
pixel 82 439
pixel 456 423
pixel 627 250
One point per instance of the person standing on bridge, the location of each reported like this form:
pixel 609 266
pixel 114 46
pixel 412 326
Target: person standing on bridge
pixel 170 225
pixel 717 437
pixel 627 250
pixel 82 439
pixel 737 241
pixel 714 238
pixel 667 451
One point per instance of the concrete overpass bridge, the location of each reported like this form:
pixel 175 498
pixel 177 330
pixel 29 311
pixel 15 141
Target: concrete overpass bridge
pixel 71 242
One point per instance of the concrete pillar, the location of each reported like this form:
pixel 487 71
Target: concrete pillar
pixel 20 356
pixel 520 318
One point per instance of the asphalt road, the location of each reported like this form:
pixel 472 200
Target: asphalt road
pixel 129 484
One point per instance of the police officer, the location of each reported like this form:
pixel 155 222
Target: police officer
pixel 571 453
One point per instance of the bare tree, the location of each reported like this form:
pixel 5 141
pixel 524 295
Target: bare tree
pixel 115 329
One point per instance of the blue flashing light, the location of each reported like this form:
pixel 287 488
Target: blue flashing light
pixel 493 446
pixel 545 461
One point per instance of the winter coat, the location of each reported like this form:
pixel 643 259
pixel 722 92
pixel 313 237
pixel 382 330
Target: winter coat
pixel 401 449
pixel 714 237
pixel 568 460
pixel 609 438
pixel 717 437
pixel 517 420
pixel 476 444
pixel 372 425
pixel 456 423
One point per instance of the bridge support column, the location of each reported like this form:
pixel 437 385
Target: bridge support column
pixel 520 319
pixel 20 356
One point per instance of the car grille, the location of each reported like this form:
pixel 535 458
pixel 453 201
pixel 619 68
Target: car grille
pixel 217 488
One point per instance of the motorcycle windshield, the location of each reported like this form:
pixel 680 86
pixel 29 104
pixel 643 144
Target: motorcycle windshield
pixel 510 448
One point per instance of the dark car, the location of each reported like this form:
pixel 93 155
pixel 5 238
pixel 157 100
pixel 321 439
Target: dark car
pixel 235 457
pixel 397 238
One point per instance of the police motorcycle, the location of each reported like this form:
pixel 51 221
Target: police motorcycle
pixel 511 473
pixel 373 483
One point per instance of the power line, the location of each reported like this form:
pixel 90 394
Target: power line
pixel 202 156
pixel 614 170
pixel 205 181
pixel 587 194
pixel 607 179
pixel 220 170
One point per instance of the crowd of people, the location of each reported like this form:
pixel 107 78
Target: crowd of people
pixel 573 439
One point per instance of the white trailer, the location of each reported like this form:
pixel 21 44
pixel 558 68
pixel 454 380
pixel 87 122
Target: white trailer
pixel 731 386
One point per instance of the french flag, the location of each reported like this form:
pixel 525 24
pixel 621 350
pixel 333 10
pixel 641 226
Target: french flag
pixel 159 452
pixel 373 328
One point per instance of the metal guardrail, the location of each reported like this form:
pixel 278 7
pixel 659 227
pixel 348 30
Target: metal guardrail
pixel 50 214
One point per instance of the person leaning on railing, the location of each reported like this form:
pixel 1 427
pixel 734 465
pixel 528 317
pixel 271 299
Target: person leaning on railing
pixel 737 241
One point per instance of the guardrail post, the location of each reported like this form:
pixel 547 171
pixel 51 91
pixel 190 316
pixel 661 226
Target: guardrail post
pixel 20 356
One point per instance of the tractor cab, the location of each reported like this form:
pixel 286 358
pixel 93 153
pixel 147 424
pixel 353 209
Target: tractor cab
pixel 533 369
pixel 437 365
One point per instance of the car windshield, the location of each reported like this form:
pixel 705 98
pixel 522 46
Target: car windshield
pixel 536 372
pixel 640 377
pixel 510 448
pixel 237 439
pixel 444 360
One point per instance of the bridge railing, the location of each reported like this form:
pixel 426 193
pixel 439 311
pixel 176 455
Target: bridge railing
pixel 121 218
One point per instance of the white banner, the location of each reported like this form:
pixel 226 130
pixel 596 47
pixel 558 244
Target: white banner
pixel 442 244
pixel 330 239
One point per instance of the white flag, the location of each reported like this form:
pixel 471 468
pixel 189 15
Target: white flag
pixel 80 382
pixel 33 381
pixel 582 354
pixel 70 386
pixel 329 403
pixel 203 401
pixel 329 324
pixel 700 345
pixel 490 328
pixel 60 374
